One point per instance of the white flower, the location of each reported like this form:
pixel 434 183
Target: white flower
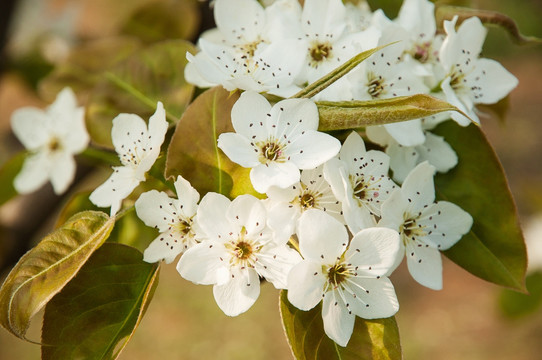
pixel 471 80
pixel 285 206
pixel 276 142
pixel 174 218
pixel 359 180
pixel 350 279
pixel 138 148
pixel 403 159
pixel 247 50
pixel 237 249
pixel 425 226
pixel 53 137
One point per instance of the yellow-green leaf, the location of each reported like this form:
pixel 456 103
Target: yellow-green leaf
pixel 371 340
pixel 98 311
pixel 355 114
pixel 494 249
pixel 47 268
pixel 328 79
pixel 193 151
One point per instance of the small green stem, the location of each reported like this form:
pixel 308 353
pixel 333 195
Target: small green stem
pixel 123 212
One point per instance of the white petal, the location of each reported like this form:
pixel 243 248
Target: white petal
pixel 249 116
pixel 321 237
pixel 188 196
pixel 425 265
pixel 357 217
pixel 154 209
pixel 164 247
pixel 418 189
pixel 335 173
pixel 192 75
pixel 211 216
pixel 407 133
pixel 115 189
pixel 378 135
pixel 312 149
pixel 282 175
pixel 204 263
pixel 438 152
pixel 491 80
pixel 239 149
pixel 324 17
pixel 248 212
pixel 293 116
pixel 239 294
pixel 240 21
pixel 30 126
pixel 353 147
pixel 62 171
pixel 76 137
pixel 453 99
pixel 402 160
pixel 282 219
pixel 375 298
pixel 447 223
pixel 338 323
pixel 127 130
pixel 306 285
pixel 34 173
pixel 277 265
pixel 374 251
pixel 393 210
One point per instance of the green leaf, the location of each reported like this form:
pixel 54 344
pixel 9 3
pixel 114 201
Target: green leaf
pixel 44 270
pixel 193 151
pixel 85 66
pixel 487 17
pixel 356 114
pixel 158 21
pixel 152 74
pixel 371 340
pixel 97 313
pixel 328 79
pixel 515 305
pixel 494 249
pixel 8 172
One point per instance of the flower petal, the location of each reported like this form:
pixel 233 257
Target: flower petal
pixel 164 247
pixel 154 209
pixel 490 81
pixel 34 173
pixel 306 285
pixel 374 251
pixel 248 212
pixel 375 298
pixel 447 223
pixel 425 265
pixel 274 173
pixel 62 171
pixel 240 21
pixel 321 237
pixel 188 197
pixel 115 189
pixel 250 115
pixel 204 263
pixel 312 149
pixel 419 189
pixel 407 133
pixel 211 217
pixel 238 294
pixel 30 126
pixel 438 152
pixel 239 149
pixel 338 322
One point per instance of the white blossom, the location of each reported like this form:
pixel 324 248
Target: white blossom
pixel 350 279
pixel 359 180
pixel 471 80
pixel 52 137
pixel 276 142
pixel 425 226
pixel 174 218
pixel 138 148
pixel 237 248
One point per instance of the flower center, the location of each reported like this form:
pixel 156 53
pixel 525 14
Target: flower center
pixel 270 150
pixel 375 86
pixel 307 200
pixel 243 250
pixel 250 48
pixel 183 227
pixel 421 52
pixel 320 51
pixel 54 144
pixel 337 274
pixel 360 190
pixel 411 230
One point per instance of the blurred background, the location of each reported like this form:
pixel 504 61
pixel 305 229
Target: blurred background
pixel 469 319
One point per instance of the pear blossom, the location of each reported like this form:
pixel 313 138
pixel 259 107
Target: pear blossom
pixel 276 142
pixel 237 248
pixel 311 192
pixel 425 226
pixel 403 159
pixel 350 279
pixel 52 138
pixel 359 180
pixel 174 218
pixel 246 50
pixel 138 148
pixel 471 80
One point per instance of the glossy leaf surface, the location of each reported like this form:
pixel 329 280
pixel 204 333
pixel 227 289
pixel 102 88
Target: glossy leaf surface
pixel 97 313
pixel 48 267
pixel 371 340
pixel 494 249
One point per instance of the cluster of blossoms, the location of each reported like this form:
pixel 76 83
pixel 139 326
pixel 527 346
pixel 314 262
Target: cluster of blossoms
pixel 333 225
